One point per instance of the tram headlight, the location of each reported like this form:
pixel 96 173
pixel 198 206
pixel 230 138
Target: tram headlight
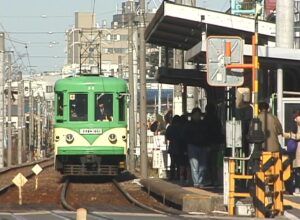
pixel 57 138
pixel 112 138
pixel 69 138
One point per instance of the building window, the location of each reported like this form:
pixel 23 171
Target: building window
pixel 115 37
pixel 49 89
pixel 124 37
pixel 121 50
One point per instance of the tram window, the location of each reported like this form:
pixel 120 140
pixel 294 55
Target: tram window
pixel 60 104
pixel 78 107
pixel 103 107
pixel 122 106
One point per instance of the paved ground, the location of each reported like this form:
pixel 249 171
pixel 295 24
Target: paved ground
pixel 292 205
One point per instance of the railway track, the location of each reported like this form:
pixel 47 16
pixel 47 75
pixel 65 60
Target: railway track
pixel 45 197
pixel 106 195
pixel 97 195
pixel 7 174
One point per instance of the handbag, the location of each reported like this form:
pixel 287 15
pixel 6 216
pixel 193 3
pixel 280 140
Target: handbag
pixel 292 146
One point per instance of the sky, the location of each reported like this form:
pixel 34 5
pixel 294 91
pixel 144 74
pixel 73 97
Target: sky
pixel 36 28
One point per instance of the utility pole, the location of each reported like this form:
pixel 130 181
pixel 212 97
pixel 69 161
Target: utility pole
pixel 20 124
pixel 188 97
pixel 179 98
pixel 9 127
pixel 23 120
pixel 38 126
pixel 285 39
pixel 2 49
pixel 132 133
pixel 31 120
pixel 143 94
pixel 159 85
pixel 120 69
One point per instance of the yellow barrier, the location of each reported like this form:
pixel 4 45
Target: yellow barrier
pixel 268 198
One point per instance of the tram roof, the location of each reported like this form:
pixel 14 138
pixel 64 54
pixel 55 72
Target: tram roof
pixel 99 83
pixel 181 27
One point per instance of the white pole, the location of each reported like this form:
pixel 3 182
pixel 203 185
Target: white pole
pixel 2 48
pixel 284 38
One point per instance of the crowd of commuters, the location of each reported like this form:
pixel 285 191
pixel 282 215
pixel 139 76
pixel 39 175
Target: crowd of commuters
pixel 194 143
pixel 196 140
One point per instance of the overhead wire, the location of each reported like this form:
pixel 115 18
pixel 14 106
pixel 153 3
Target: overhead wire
pixel 14 47
pixel 29 63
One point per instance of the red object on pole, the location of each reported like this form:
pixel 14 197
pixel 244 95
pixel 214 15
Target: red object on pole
pixel 228 49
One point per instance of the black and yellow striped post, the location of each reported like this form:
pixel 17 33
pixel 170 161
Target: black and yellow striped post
pixel 260 196
pixel 278 185
pixel 268 200
pixel 286 167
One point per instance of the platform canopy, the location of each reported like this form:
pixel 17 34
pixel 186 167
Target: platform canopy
pixel 182 27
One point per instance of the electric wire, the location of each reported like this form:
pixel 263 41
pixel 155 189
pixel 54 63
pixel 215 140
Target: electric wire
pixel 14 47
pixel 29 63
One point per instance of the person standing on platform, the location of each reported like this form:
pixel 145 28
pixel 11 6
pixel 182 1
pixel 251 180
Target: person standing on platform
pixel 215 139
pixel 294 154
pixel 271 127
pixel 195 134
pixel 173 136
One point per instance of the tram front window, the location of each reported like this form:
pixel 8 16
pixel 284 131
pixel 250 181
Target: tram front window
pixel 78 107
pixel 60 104
pixel 122 108
pixel 103 107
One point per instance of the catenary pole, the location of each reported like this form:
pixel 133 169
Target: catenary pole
pixel 9 127
pixel 20 125
pixel 143 94
pixel 132 132
pixel 31 120
pixel 177 100
pixel 39 103
pixel 284 38
pixel 23 119
pixel 2 49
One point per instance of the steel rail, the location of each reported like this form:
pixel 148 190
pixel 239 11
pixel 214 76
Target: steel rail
pixel 6 169
pixel 69 207
pixel 6 187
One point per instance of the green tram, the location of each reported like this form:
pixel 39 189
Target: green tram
pixel 90 130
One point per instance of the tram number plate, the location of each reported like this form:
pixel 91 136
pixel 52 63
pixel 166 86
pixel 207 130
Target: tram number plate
pixel 90 131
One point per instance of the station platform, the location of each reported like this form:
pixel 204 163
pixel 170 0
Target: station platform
pixel 206 200
pixel 190 199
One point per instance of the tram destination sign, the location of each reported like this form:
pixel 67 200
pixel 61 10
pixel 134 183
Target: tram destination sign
pixel 90 131
pixel 217 59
